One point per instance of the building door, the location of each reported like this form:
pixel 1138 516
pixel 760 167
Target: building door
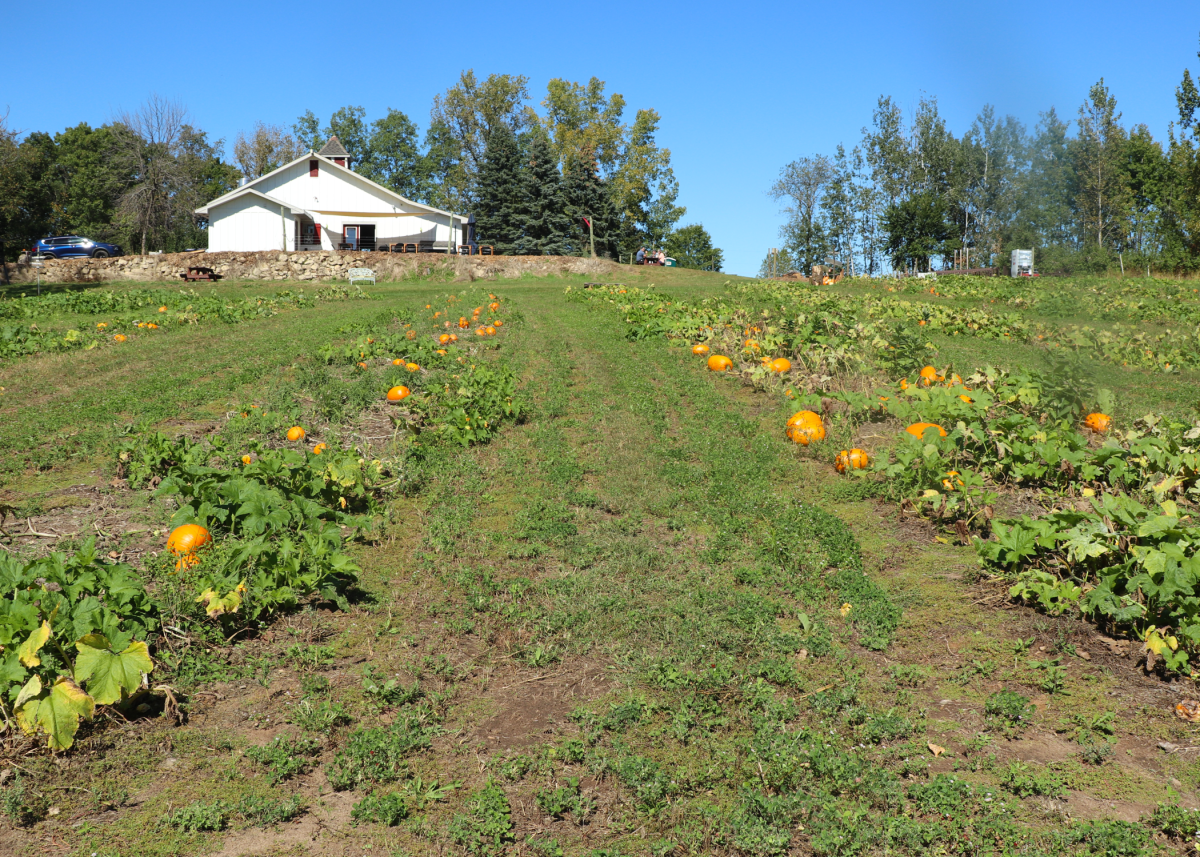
pixel 351 237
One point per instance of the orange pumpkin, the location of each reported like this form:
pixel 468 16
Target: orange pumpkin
pixel 919 429
pixel 480 331
pixel 412 367
pixel 1097 422
pixel 454 337
pixel 187 539
pixel 397 362
pixel 444 338
pixel 118 337
pixel 719 363
pixel 700 349
pixel 493 306
pixel 246 459
pixel 319 448
pixel 412 334
pixel 397 394
pixel 781 365
pixel 295 433
pixel 804 427
pixel 854 459
pixel 362 365
pixel 490 331
pixel 903 383
pixel 498 323
pixel 928 376
pixel 463 323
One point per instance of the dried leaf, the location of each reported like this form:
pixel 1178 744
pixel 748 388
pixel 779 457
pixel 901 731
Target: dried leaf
pixel 1188 710
pixel 936 750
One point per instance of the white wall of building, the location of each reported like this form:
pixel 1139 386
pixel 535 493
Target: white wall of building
pixel 250 223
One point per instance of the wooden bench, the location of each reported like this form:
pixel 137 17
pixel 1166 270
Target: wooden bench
pixel 363 274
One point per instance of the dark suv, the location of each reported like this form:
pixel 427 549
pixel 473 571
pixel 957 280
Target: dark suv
pixel 71 246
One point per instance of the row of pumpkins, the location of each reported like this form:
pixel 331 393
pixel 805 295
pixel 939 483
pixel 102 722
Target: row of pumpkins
pixel 186 540
pixel 805 427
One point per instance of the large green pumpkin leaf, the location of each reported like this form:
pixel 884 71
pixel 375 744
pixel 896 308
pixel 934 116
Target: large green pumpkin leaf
pixel 108 674
pixel 28 651
pixel 55 712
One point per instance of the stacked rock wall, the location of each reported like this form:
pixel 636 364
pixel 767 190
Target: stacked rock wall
pixel 319 266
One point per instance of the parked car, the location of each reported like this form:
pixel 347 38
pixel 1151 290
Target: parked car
pixel 72 246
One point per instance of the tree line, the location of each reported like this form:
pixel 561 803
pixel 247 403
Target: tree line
pixel 1089 198
pixel 530 176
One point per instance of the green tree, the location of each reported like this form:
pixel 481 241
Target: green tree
pixel 25 207
pixel 580 118
pixel 265 150
pixel 803 183
pixel 465 115
pixel 92 181
pixel 542 210
pixel 1048 193
pixel 147 148
pixel 917 230
pixel 308 131
pixel 349 125
pixel 777 265
pixel 204 176
pixel 838 209
pixel 692 247
pixel 1145 167
pixel 643 186
pixel 497 212
pixel 587 200
pixel 887 151
pixel 396 160
pixel 1102 195
pixel 1180 215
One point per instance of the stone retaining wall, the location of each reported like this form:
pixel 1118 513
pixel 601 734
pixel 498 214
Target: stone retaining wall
pixel 319 266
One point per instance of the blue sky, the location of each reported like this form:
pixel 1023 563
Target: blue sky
pixel 742 89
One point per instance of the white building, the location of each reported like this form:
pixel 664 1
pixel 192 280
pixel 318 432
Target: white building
pixel 318 203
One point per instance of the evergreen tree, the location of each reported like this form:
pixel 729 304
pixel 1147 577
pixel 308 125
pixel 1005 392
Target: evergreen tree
pixel 587 199
pixel 691 247
pixel 542 210
pixel 497 214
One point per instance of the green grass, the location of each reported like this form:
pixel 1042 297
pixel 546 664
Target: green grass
pixel 644 555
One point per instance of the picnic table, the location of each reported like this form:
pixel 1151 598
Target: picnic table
pixel 198 273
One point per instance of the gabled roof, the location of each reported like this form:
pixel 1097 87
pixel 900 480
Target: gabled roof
pixel 335 166
pixel 334 149
pixel 246 190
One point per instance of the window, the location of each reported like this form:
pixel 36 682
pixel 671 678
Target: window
pixel 313 168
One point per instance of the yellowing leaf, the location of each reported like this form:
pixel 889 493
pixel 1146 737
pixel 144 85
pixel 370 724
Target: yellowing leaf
pixel 55 713
pixel 109 675
pixel 215 605
pixel 1088 492
pixel 845 610
pixel 30 648
pixel 930 492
